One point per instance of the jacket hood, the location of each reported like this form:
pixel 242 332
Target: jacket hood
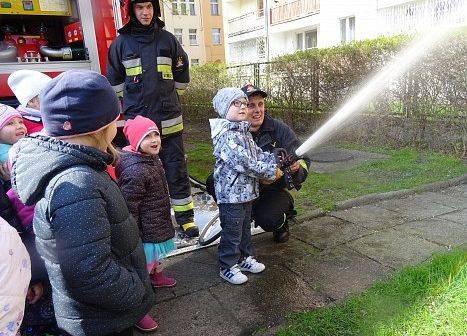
pixel 220 126
pixel 37 159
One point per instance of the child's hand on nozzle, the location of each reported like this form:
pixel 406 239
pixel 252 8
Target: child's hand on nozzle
pixel 278 175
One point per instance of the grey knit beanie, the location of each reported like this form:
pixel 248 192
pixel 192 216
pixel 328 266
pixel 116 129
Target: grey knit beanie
pixel 224 99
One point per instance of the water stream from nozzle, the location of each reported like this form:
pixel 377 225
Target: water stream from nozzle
pixel 401 63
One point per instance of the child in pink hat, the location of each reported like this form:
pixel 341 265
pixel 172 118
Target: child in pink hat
pixel 142 180
pixel 11 130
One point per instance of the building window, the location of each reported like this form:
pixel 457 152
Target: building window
pixel 192 37
pixel 214 7
pixel 260 5
pixel 216 36
pixel 179 35
pixel 347 29
pixel 192 7
pixel 311 39
pixel 194 62
pixel 299 41
pixel 183 7
pixel 175 7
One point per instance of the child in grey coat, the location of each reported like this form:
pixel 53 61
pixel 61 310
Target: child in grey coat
pixel 239 166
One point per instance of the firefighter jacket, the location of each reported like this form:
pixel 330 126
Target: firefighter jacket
pixel 149 70
pixel 273 134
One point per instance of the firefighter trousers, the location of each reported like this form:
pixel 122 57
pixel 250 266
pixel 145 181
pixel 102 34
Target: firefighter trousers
pixel 172 155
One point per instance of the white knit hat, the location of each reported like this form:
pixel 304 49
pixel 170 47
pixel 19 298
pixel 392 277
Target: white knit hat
pixel 27 84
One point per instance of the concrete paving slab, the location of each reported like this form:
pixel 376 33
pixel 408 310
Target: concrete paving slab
pixel 327 231
pixel 457 216
pixel 267 298
pixel 415 208
pixel 395 249
pixel 455 202
pixel 339 271
pixel 193 271
pixel 371 216
pixel 459 191
pixel 439 231
pixel 196 314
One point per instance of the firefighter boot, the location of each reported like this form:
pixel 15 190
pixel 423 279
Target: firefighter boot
pixel 190 229
pixel 281 235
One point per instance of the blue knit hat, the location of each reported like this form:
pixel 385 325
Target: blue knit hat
pixel 224 98
pixel 78 102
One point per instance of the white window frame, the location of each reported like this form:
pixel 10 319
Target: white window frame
pixel 175 7
pixel 192 7
pixel 214 4
pixel 193 36
pixel 299 41
pixel 183 7
pixel 178 33
pixel 347 29
pixel 216 32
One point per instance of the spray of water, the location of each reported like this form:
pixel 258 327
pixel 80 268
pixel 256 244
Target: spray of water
pixel 401 63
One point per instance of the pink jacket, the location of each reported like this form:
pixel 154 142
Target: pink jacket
pixel 25 213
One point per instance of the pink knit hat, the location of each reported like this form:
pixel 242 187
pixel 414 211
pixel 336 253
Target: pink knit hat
pixel 6 114
pixel 136 129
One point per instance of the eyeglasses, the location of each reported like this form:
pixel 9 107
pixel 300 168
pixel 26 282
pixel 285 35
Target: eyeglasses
pixel 240 103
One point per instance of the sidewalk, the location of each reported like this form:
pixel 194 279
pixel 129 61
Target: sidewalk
pixel 326 259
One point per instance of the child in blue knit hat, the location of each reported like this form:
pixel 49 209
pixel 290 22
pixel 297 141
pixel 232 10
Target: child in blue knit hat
pixel 239 166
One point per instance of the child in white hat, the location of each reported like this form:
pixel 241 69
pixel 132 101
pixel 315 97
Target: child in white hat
pixel 27 85
pixel 15 273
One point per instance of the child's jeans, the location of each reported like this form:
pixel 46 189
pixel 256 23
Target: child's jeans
pixel 236 233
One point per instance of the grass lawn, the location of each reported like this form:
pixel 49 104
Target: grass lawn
pixel 405 168
pixel 428 299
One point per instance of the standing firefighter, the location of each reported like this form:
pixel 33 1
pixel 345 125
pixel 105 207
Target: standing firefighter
pixel 148 68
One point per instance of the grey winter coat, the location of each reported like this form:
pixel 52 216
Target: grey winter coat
pixel 239 162
pixel 142 181
pixel 85 234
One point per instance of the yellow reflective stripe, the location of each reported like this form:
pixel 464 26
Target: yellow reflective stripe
pixel 120 94
pixel 134 71
pixel 303 164
pixel 180 92
pixel 186 207
pixel 172 129
pixel 166 71
pixel 188 225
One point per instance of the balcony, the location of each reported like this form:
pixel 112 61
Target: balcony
pixel 293 11
pixel 246 23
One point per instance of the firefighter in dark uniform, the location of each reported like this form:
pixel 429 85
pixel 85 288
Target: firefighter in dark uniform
pixel 274 207
pixel 148 69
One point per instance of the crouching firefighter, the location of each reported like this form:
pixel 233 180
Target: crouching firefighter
pixel 148 69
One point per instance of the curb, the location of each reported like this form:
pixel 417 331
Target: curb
pixel 373 198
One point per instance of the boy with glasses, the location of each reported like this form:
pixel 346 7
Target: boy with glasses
pixel 239 166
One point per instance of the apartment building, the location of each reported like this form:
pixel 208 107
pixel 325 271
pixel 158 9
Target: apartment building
pixel 197 24
pixel 291 25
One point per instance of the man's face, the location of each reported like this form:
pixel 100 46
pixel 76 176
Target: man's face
pixel 255 112
pixel 144 12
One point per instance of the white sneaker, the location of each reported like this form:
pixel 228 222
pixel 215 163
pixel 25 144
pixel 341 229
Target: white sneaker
pixel 233 275
pixel 251 265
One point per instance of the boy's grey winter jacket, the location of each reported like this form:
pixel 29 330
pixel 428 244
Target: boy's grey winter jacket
pixel 239 162
pixel 85 234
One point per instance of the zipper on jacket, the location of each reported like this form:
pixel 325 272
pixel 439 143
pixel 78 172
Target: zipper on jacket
pixel 235 180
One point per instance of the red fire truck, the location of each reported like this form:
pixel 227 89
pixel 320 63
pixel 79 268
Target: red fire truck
pixel 53 36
